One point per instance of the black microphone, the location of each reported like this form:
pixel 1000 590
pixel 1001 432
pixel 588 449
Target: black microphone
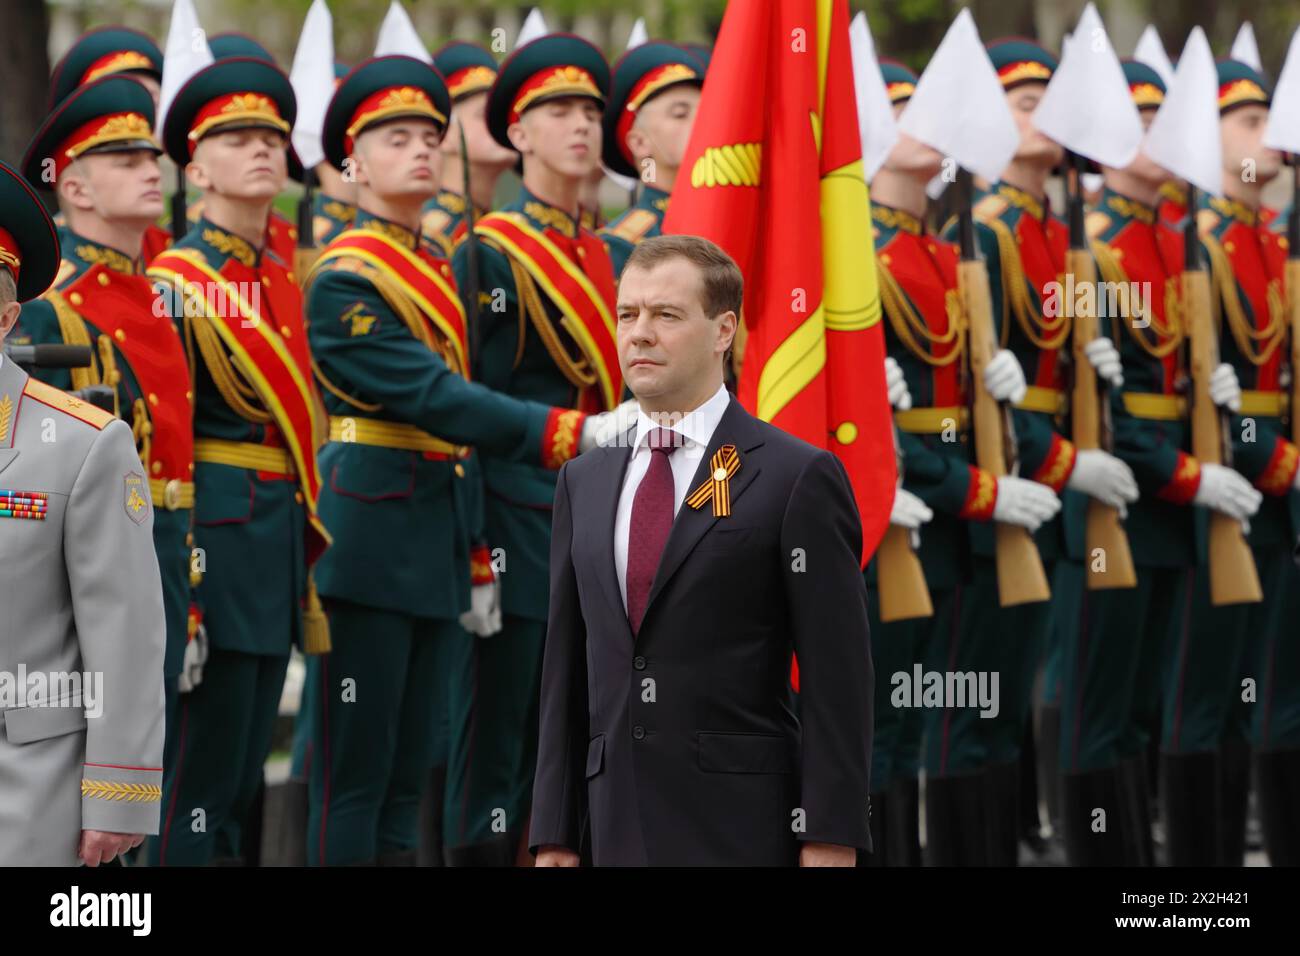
pixel 50 356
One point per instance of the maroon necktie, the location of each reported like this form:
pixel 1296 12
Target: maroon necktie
pixel 652 520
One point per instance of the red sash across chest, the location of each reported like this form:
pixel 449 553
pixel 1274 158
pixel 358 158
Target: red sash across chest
pixel 926 270
pixel 1042 248
pixel 576 274
pixel 423 277
pixel 257 312
pixel 123 307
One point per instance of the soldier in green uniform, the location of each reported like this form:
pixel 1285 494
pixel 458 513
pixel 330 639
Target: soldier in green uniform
pixel 546 323
pixel 112 51
pixel 470 71
pixel 647 124
pixel 257 423
pixel 107 51
pixel 391 348
pixel 97 152
pixel 1111 658
pixel 941 486
pixel 1024 245
pixel 1207 701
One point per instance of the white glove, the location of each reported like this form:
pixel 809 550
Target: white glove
pixel 1225 490
pixel 1104 357
pixel 909 511
pixel 606 427
pixel 483 619
pixel 1104 477
pixel 896 383
pixel 1225 390
pixel 196 655
pixel 1004 379
pixel 1025 503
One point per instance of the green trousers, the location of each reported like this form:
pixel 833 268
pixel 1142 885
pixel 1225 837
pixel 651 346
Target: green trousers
pixel 493 741
pixel 1273 657
pixel 1202 663
pixel 1113 642
pixel 373 719
pixel 223 736
pixel 895 650
pixel 986 640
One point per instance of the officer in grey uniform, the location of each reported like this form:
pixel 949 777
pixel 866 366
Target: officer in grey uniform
pixel 81 614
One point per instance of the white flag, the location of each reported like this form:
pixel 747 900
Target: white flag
pixel 1184 136
pixel 876 125
pixel 184 55
pixel 959 106
pixel 312 77
pixel 1283 131
pixel 1151 51
pixel 397 36
pixel 1087 107
pixel 534 27
pixel 1245 49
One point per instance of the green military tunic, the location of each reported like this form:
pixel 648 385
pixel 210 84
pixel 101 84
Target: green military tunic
pixel 918 277
pixel 251 527
pixel 400 507
pixel 644 220
pixel 494 722
pixel 1024 247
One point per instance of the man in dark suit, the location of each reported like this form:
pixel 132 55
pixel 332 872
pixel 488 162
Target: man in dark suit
pixel 688 560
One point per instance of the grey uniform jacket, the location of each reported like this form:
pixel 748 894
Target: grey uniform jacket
pixel 80 594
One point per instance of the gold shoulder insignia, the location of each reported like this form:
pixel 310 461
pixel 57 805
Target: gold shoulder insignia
pixel 435 222
pixel 990 207
pixel 1095 223
pixel 632 225
pixel 66 269
pixel 70 405
pixel 451 202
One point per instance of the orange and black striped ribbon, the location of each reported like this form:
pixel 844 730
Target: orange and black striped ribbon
pixel 717 487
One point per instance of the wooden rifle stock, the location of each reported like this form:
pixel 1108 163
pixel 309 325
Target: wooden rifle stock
pixel 1233 577
pixel 900 579
pixel 1293 306
pixel 1104 532
pixel 1021 578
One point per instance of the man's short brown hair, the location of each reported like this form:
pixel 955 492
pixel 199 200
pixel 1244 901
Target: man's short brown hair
pixel 721 284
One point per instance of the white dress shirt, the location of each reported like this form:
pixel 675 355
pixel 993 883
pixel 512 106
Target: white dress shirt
pixel 696 428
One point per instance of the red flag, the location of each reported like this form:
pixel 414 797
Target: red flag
pixel 773 175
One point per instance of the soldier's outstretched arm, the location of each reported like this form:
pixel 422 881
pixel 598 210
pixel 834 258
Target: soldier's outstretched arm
pixel 366 351
pixel 118 610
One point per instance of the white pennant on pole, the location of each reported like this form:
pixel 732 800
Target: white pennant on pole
pixel 397 36
pixel 876 126
pixel 1283 130
pixel 534 27
pixel 1151 51
pixel 185 53
pixel 1245 49
pixel 1184 136
pixel 312 77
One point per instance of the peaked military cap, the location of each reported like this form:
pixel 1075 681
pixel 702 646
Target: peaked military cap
pixel 703 53
pixel 380 90
pixel 550 67
pixel 1144 83
pixel 226 45
pixel 101 53
pixel 900 82
pixel 467 67
pixel 111 115
pixel 640 75
pixel 29 244
pixel 1240 85
pixel 235 93
pixel 1019 61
